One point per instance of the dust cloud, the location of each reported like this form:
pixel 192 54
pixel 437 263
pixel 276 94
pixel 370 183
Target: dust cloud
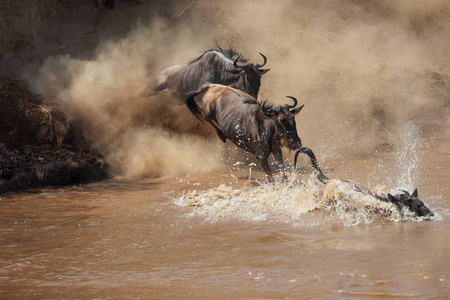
pixel 365 70
pixel 140 136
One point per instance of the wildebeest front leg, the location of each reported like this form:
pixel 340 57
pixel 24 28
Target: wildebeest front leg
pixel 265 164
pixel 279 160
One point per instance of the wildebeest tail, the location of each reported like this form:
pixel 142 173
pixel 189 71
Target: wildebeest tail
pixel 193 106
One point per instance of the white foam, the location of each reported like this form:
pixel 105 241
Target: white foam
pixel 290 203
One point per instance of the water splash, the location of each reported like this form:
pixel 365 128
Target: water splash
pixel 294 202
pixel 305 203
pixel 408 159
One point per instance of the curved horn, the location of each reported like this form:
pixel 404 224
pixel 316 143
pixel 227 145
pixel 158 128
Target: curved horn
pixel 262 105
pixel 235 62
pixel 265 61
pixel 291 106
pixel 273 109
pixel 406 192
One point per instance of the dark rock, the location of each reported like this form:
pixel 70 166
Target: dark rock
pixel 38 146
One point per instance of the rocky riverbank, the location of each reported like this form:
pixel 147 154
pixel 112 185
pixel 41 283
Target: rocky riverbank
pixel 39 146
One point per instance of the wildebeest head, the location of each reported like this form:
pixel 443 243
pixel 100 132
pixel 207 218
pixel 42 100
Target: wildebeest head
pixel 414 204
pixel 250 74
pixel 285 120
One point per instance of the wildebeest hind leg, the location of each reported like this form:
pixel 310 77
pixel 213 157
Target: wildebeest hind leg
pixel 159 85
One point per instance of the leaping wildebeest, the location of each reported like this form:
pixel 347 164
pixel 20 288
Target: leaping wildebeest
pixel 260 129
pixel 214 66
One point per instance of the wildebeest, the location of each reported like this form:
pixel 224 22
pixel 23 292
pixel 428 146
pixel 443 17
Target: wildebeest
pixel 215 66
pixel 414 204
pixel 257 128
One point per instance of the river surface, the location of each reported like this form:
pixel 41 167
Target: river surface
pixel 230 235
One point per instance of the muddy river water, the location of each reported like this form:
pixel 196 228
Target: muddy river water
pixel 231 235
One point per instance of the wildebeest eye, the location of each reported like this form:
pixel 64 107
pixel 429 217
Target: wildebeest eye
pixel 407 202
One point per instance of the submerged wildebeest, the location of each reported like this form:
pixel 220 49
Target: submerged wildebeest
pixel 257 128
pixel 214 66
pixel 404 199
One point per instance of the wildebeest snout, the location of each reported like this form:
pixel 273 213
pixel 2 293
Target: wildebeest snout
pixel 418 208
pixel 295 143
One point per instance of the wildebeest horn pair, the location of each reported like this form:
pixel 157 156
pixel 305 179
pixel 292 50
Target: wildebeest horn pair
pixel 243 66
pixel 277 108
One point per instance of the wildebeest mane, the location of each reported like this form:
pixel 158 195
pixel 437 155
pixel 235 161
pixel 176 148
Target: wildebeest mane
pixel 229 53
pixel 216 61
pixel 267 105
pixel 251 101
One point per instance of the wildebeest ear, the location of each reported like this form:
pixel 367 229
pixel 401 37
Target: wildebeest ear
pixel 392 198
pixel 234 72
pixel 415 193
pixel 297 110
pixel 263 71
